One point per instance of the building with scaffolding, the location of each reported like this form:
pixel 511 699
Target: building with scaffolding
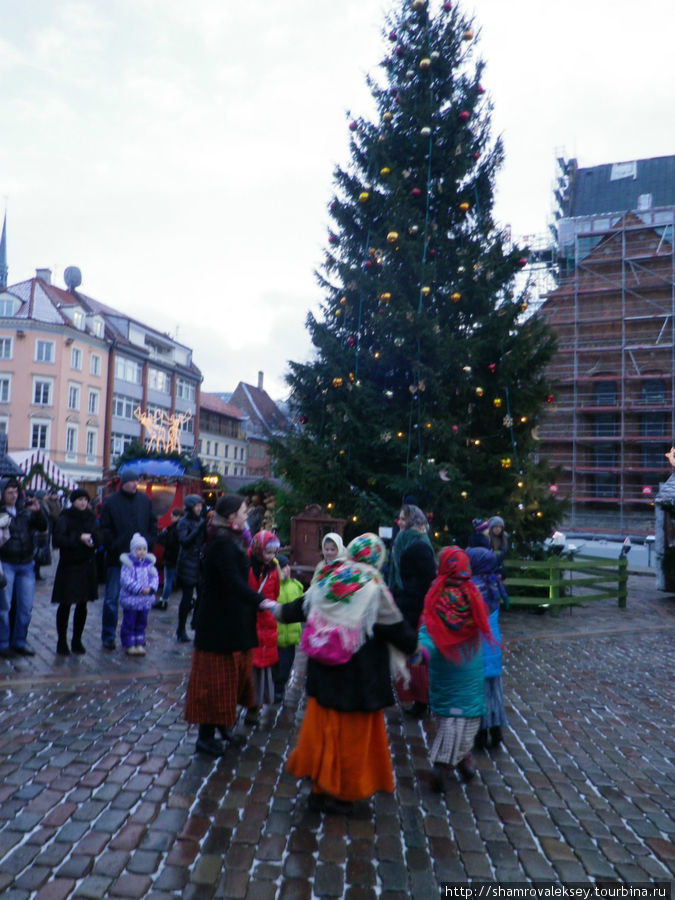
pixel 613 311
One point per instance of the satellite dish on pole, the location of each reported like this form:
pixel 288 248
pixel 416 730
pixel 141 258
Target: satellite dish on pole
pixel 72 277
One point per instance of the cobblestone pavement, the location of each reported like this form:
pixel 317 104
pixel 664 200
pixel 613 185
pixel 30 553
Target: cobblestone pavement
pixel 102 796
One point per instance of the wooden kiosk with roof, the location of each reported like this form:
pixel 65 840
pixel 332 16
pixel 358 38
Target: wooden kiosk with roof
pixel 307 533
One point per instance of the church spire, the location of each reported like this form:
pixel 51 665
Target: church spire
pixel 3 255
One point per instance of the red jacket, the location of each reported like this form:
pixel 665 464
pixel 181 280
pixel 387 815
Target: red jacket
pixel 267 584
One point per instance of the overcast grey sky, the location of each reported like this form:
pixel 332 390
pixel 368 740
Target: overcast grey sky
pixel 181 153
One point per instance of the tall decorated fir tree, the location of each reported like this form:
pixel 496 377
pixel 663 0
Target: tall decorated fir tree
pixel 428 373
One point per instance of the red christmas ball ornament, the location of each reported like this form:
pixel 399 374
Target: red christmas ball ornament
pixel 353 126
pixel 432 252
pixel 333 206
pixel 303 420
pixel 415 192
pixel 368 264
pixel 553 488
pixel 522 262
pixel 464 116
pixel 399 51
pixel 351 342
pixel 447 7
pixel 476 156
pixel 492 366
pixel 480 89
pixel 392 36
pixel 550 398
pixel 332 239
pixel 455 429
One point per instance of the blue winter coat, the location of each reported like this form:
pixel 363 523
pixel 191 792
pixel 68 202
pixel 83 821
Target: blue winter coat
pixel 455 691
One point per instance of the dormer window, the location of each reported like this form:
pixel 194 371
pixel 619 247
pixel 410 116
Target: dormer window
pixel 78 319
pixel 8 307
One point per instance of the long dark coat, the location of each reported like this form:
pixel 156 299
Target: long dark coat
pixel 227 611
pixel 191 537
pixel 76 578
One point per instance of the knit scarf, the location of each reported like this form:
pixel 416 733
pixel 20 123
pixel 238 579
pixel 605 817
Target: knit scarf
pixel 454 613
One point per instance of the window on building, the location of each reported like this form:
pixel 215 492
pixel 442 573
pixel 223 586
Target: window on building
pixel 208 448
pixel 652 456
pixel 654 424
pixel 123 407
pixel 92 403
pixel 605 456
pixel 605 425
pixel 4 388
pixel 38 436
pixel 8 307
pixel 90 445
pixel 119 443
pixel 215 448
pixel 227 451
pixel 44 351
pixel 604 393
pixel 185 390
pixel 605 484
pixel 75 358
pixel 158 380
pixel 653 392
pixel 200 445
pixel 95 364
pixel 71 440
pixel 73 397
pixel 42 393
pixel 188 426
pixel 128 370
pixel 5 348
pixel 4 424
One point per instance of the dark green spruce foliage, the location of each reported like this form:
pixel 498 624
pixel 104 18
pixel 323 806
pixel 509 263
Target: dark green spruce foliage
pixel 410 386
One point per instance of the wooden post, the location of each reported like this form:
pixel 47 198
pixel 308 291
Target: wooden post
pixel 623 581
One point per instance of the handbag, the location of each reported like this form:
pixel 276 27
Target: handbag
pixel 332 645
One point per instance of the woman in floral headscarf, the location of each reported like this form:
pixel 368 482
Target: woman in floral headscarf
pixel 263 577
pixel 355 638
pixel 453 625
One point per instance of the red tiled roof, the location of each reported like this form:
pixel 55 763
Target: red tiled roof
pixel 213 403
pixel 260 407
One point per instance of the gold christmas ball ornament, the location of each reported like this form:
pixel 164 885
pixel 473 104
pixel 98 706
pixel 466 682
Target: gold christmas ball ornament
pixel 392 237
pixel 418 4
pixel 464 206
pixel 468 35
pixel 384 171
pixel 426 290
pixel 505 462
pixel 479 391
pixel 426 131
pixel 363 196
pixel 337 382
pixel 455 296
pixel 497 402
pixel 387 117
pixel 425 63
pixel 385 297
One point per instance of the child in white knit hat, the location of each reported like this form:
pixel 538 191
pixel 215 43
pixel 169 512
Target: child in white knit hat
pixel 138 585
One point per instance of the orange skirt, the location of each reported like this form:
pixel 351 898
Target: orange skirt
pixel 346 754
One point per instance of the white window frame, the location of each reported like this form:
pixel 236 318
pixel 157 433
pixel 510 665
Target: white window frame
pixel 91 441
pixel 119 443
pixel 76 359
pixel 5 379
pixel 4 424
pixel 6 342
pixel 38 423
pixel 74 392
pixel 71 452
pixel 40 347
pixel 185 390
pixel 128 370
pixel 93 400
pixel 95 364
pixel 40 380
pixel 129 404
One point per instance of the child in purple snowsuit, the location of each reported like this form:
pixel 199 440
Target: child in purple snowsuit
pixel 138 585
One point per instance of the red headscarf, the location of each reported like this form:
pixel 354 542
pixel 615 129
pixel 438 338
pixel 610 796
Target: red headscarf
pixel 454 612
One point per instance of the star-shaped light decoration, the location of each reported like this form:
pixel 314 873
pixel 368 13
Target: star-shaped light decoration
pixel 507 421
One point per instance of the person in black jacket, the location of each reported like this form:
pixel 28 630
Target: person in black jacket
pixel 225 633
pixel 123 514
pixel 168 539
pixel 355 635
pixel 191 538
pixel 76 534
pixel 17 563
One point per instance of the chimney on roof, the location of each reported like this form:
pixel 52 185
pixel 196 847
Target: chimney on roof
pixel 44 275
pixel 260 380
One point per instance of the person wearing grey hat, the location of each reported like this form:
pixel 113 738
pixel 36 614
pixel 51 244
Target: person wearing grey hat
pixel 124 513
pixel 499 542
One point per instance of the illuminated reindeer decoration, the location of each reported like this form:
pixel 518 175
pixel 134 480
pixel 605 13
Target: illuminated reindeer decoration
pixel 162 430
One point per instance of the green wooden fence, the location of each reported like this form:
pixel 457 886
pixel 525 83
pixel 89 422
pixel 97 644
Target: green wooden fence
pixel 557 582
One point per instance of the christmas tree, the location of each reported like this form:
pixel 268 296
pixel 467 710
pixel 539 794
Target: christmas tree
pixel 428 372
